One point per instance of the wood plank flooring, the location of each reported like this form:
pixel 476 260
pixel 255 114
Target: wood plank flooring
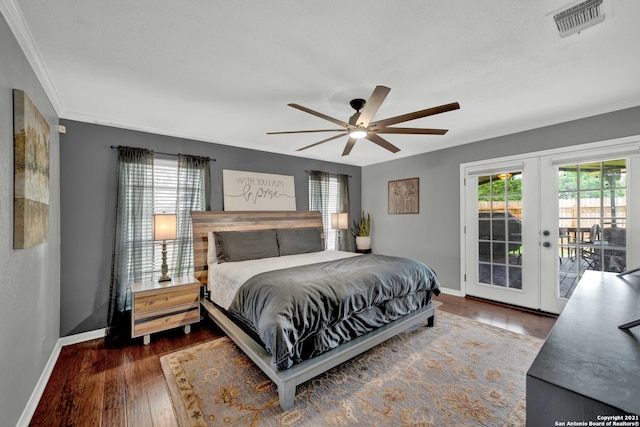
pixel 92 385
pixel 520 320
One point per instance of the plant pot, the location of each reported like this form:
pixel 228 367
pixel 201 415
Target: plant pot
pixel 363 242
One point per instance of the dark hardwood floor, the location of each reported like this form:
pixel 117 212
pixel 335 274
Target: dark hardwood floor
pixel 522 321
pixel 96 385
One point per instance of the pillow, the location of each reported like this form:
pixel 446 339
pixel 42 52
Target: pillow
pixel 232 246
pixel 293 241
pixel 212 255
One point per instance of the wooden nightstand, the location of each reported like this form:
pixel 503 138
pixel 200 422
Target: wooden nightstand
pixel 158 306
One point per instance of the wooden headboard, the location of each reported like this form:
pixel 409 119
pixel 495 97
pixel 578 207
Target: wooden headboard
pixel 205 221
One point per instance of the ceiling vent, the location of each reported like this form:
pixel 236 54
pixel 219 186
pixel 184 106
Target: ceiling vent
pixel 578 16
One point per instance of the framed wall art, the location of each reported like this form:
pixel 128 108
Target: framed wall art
pixel 253 191
pixel 31 173
pixel 404 196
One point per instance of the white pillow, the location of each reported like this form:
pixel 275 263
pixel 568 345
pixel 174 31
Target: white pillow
pixel 212 256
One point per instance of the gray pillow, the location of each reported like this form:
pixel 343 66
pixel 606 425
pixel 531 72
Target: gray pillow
pixel 293 241
pixel 234 246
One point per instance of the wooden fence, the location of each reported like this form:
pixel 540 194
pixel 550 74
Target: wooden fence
pixel 568 210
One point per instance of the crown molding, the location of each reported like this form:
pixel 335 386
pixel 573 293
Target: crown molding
pixel 141 127
pixel 20 29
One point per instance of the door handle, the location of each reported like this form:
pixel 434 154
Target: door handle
pixel 546 232
pixel 546 244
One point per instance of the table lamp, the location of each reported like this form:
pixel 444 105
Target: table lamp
pixel 164 228
pixel 340 221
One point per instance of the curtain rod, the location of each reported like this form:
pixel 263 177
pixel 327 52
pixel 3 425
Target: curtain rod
pixel 166 154
pixel 308 172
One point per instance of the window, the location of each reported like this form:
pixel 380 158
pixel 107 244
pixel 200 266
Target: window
pixel 592 208
pixel 329 194
pixel 500 229
pixel 162 196
pixel 332 208
pixel 165 193
pixel 180 186
pixel 155 186
pixel 148 186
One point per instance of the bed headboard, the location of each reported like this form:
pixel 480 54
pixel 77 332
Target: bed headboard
pixel 205 221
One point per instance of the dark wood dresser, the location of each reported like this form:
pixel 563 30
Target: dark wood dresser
pixel 588 368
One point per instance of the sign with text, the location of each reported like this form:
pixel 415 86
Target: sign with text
pixel 253 191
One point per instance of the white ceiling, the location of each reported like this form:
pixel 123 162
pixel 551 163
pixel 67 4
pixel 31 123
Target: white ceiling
pixel 224 71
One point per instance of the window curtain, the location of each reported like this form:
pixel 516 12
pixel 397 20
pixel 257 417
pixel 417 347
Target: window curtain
pixel 133 239
pixel 330 194
pixel 194 182
pixel 319 199
pixel 343 206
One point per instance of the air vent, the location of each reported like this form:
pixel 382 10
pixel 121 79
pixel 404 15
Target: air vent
pixel 578 17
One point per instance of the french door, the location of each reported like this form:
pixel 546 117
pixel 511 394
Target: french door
pixel 589 226
pixel 534 225
pixel 501 232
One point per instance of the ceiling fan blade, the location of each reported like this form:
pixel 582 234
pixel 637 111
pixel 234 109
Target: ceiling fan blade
pixel 382 142
pixel 412 131
pixel 321 142
pixel 415 115
pixel 372 105
pixel 322 116
pixel 347 148
pixel 305 131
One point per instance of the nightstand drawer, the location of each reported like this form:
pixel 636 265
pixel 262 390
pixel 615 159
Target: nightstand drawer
pixel 162 298
pixel 168 318
pixel 158 306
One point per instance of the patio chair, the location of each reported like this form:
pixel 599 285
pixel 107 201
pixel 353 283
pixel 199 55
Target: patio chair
pixel 589 248
pixel 615 254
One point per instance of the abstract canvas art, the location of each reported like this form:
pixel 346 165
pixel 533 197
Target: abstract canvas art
pixel 31 170
pixel 404 196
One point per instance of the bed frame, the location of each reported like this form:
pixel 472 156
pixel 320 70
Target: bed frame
pixel 286 380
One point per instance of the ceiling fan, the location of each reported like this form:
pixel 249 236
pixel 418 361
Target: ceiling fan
pixel 361 126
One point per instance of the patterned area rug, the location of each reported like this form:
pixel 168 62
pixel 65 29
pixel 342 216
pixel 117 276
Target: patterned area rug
pixel 458 373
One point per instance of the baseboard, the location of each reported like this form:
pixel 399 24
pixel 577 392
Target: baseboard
pixel 82 337
pixel 34 399
pixel 448 291
pixel 32 404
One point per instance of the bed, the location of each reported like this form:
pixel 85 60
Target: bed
pixel 253 265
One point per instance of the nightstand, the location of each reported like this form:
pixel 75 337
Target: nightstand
pixel 158 306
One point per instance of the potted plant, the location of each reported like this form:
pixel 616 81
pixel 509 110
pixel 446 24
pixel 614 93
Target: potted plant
pixel 362 231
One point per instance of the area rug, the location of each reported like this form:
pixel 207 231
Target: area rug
pixel 458 373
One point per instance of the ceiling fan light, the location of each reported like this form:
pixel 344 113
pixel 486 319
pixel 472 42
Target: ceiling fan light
pixel 358 133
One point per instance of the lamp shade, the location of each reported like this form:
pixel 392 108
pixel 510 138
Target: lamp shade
pixel 164 227
pixel 340 221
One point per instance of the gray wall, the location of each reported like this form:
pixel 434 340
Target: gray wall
pixel 432 236
pixel 88 182
pixel 30 286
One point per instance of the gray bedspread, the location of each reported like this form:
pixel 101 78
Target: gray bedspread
pixel 301 312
